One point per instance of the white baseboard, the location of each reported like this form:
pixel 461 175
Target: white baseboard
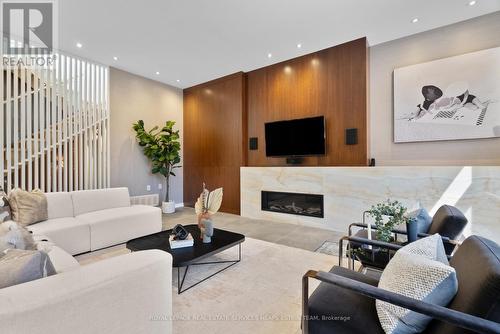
pixel 179 205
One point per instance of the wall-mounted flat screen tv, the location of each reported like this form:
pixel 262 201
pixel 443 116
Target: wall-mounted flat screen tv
pixel 298 137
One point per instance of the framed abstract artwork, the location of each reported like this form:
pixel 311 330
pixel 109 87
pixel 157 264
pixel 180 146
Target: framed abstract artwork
pixel 448 99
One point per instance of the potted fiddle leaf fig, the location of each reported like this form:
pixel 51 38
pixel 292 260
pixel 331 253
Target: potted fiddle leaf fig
pixel 162 147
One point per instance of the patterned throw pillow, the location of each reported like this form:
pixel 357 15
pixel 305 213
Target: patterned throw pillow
pixel 421 271
pixel 28 207
pixel 20 266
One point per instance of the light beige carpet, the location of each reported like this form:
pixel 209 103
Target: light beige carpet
pixel 261 294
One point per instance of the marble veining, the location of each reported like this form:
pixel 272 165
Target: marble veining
pixel 348 191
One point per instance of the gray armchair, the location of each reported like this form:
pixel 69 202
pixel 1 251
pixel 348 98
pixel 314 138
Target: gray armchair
pixel 448 221
pixel 345 300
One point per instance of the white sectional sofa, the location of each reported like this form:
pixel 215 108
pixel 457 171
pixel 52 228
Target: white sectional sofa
pixel 127 294
pixel 88 220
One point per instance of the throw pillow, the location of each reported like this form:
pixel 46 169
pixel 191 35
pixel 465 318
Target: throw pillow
pixel 4 207
pixel 422 218
pixel 28 207
pixel 421 271
pixel 13 236
pixel 21 266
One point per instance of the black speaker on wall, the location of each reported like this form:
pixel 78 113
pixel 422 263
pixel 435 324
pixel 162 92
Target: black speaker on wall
pixel 254 143
pixel 351 136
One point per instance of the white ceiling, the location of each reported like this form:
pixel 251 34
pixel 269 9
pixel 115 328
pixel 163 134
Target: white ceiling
pixel 198 40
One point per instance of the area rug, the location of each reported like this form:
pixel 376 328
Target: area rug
pixel 329 247
pixel 261 294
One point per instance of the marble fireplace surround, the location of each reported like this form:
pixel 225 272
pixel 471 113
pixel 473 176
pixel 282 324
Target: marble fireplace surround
pixel 348 191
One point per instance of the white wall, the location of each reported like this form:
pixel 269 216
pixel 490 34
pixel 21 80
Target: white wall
pixel 132 98
pixel 468 36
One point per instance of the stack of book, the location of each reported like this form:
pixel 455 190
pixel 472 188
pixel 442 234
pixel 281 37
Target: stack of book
pixel 188 242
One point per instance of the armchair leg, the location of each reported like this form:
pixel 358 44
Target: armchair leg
pixel 305 300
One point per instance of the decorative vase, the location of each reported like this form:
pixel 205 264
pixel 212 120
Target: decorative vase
pixel 207 230
pixel 412 231
pixel 168 207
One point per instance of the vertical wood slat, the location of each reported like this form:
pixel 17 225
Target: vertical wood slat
pixel 103 125
pixel 63 163
pixel 71 121
pixel 53 125
pixel 91 124
pixel 22 115
pixel 8 132
pixel 60 122
pixel 94 128
pixel 86 127
pixel 36 130
pixel 29 129
pixel 15 131
pixel 48 129
pixel 99 118
pixel 107 127
pixel 80 127
pixel 43 90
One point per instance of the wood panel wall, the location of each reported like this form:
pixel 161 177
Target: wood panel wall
pixel 215 133
pixel 331 82
pixel 221 115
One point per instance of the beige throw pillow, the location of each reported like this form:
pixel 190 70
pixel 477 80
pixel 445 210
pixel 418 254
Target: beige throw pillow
pixel 421 271
pixel 21 266
pixel 28 207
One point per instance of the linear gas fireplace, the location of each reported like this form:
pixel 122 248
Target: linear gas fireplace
pixel 293 203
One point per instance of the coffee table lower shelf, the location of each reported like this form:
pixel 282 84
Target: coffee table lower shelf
pixel 180 284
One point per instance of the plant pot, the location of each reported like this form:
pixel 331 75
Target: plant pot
pixel 168 207
pixel 412 231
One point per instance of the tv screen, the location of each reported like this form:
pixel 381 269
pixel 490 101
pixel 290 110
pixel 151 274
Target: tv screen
pixel 299 137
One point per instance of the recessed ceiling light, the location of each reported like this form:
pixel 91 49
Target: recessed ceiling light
pixel 472 3
pixel 115 58
pixel 157 73
pixel 415 20
pixel 79 45
pixel 178 80
pixel 299 46
pixel 269 55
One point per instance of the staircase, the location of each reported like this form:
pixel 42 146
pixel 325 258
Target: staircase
pixel 54 126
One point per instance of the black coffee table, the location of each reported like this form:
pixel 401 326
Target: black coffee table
pixel 190 256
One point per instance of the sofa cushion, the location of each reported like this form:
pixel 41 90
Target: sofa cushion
pixel 21 266
pixel 86 201
pixel 28 207
pixel 69 233
pixel 477 262
pixel 114 226
pixel 448 222
pixel 420 271
pixel 59 205
pixel 329 301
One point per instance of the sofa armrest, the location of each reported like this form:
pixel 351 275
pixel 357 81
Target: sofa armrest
pixel 453 317
pixel 131 293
